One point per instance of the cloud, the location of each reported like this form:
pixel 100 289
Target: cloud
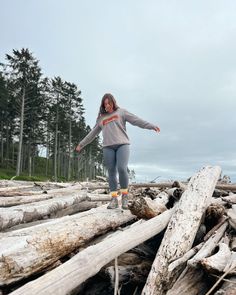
pixel 172 63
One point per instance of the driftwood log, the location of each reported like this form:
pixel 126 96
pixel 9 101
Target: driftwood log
pixel 208 246
pixel 193 251
pixel 146 208
pixel 221 186
pixel 228 287
pixel 89 261
pixel 19 200
pixel 26 213
pixel 232 216
pixel 190 283
pixel 26 251
pixel 128 272
pixel 182 229
pixel 218 261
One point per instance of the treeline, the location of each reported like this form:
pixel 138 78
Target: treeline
pixel 41 113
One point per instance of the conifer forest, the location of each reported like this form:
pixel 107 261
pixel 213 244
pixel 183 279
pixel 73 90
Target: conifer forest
pixel 41 122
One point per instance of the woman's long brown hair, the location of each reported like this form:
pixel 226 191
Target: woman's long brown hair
pixel 111 99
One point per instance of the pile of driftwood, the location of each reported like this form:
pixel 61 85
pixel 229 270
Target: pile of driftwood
pixel 177 238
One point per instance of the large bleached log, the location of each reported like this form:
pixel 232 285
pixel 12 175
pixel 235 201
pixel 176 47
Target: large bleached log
pixel 67 277
pixel 26 213
pixel 182 229
pixel 26 251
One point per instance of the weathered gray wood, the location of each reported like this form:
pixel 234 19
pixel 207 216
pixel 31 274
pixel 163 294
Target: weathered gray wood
pixel 39 196
pixel 208 246
pixel 163 197
pixel 230 267
pixel 98 197
pixel 228 287
pixel 19 200
pixel 180 261
pixel 182 229
pixel 230 199
pixel 26 213
pixel 15 188
pixel 26 251
pixel 232 216
pixel 211 234
pixel 146 208
pixel 218 261
pixel 226 187
pixel 75 208
pixel 88 262
pixel 191 283
pixel 21 183
pixel 233 244
pixel 26 199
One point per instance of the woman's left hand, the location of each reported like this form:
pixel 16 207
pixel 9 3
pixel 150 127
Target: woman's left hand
pixel 157 129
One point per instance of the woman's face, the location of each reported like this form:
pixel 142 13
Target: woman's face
pixel 108 106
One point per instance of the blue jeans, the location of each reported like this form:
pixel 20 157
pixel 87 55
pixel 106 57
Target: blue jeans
pixel 116 158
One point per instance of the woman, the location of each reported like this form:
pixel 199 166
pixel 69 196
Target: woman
pixel 112 122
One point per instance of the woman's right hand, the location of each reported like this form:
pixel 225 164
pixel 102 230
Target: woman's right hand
pixel 78 148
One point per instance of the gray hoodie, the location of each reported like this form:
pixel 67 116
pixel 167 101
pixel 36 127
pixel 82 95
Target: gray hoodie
pixel 113 127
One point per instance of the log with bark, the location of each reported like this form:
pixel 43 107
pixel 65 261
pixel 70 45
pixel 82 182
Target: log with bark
pixel 182 229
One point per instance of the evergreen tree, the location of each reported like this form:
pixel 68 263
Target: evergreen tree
pixel 24 79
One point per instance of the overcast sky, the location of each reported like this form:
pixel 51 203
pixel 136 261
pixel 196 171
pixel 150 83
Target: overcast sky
pixel 172 63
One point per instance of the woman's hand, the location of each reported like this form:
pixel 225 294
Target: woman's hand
pixel 78 148
pixel 157 129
